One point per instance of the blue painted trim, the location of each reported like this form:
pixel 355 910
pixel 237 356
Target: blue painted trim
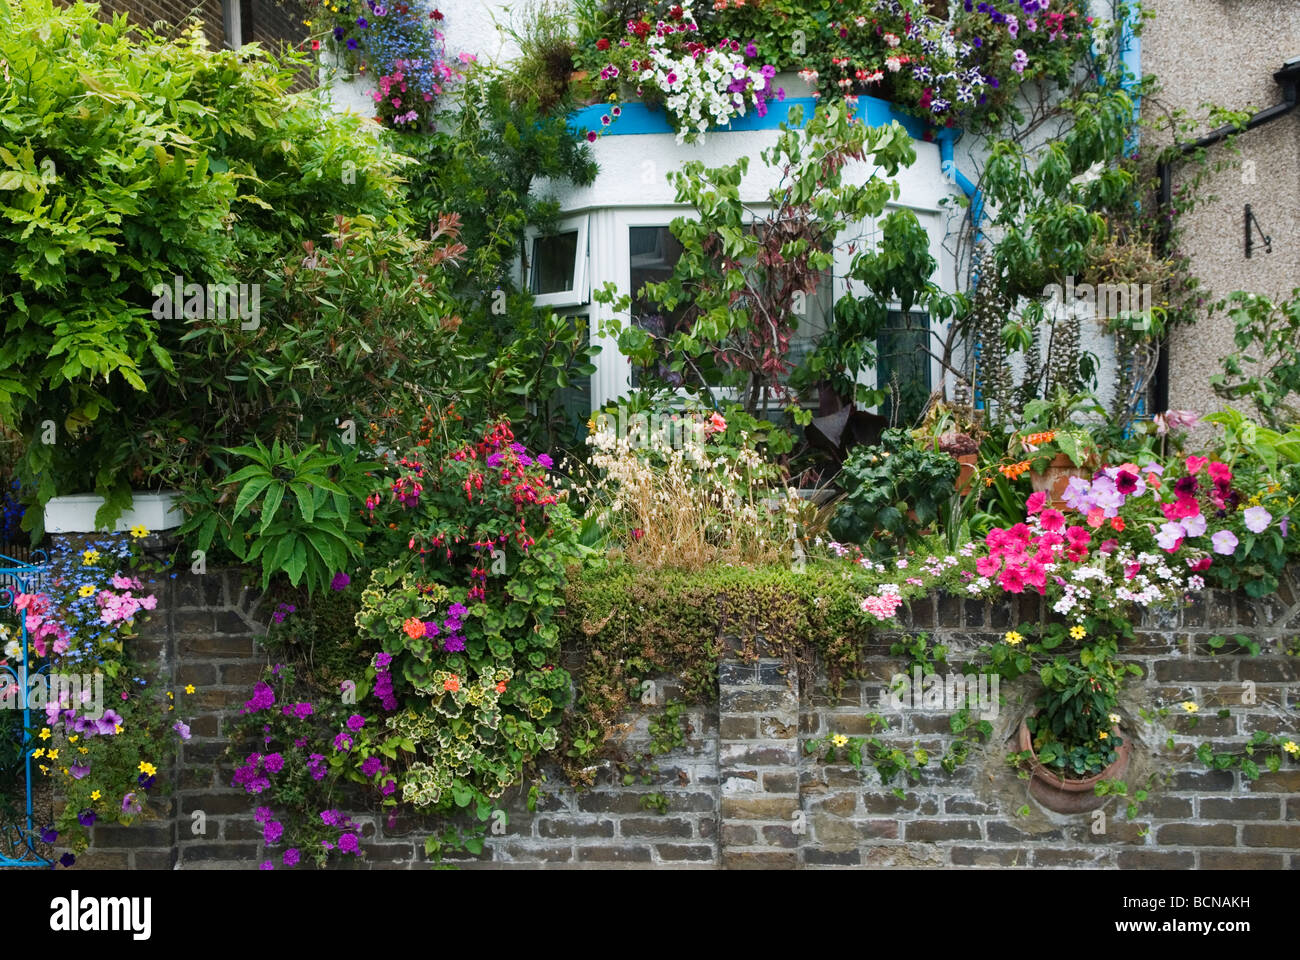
pixel 1130 45
pixel 947 140
pixel 637 118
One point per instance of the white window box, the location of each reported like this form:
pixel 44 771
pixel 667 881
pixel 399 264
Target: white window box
pixel 76 513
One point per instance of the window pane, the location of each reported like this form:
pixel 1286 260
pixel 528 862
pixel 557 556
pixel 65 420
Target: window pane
pixel 653 253
pixel 553 261
pixel 903 366
pixel 811 328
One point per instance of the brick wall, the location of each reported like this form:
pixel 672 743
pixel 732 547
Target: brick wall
pixel 743 793
pixel 272 24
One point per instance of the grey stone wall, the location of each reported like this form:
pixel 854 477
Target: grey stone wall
pixel 743 793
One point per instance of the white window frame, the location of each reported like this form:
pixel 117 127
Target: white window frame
pixel 579 291
pixel 604 234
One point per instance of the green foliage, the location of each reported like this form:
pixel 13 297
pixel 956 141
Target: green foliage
pixel 503 144
pixel 293 513
pixel 888 760
pixel 127 164
pixel 1266 365
pixel 885 486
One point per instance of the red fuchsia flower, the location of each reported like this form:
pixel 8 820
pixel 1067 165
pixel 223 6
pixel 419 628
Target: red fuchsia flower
pixel 1220 472
pixel 1012 580
pixel 1036 502
pixel 602 44
pixel 1199 566
pixel 987 566
pixel 1194 464
pixel 1117 524
pixel 1096 517
pixel 1052 520
pixel 1109 546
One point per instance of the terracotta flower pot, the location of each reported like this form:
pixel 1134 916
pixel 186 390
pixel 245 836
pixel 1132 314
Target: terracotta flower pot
pixel 1064 795
pixel 969 463
pixel 1055 476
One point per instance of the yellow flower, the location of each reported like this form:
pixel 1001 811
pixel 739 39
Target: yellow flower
pixel 44 768
pixel 83 749
pixel 53 754
pixel 1292 748
pixel 89 557
pixel 139 530
pixel 117 728
pixel 72 739
pixel 1077 633
pixel 38 752
pixel 1013 638
pixel 148 769
pixel 1103 735
pixel 839 740
pixel 189 688
pixel 170 695
pixel 95 795
pixel 1189 706
pixel 45 733
pixel 85 590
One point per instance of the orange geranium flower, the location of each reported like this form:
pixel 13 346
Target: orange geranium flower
pixel 414 628
pixel 451 684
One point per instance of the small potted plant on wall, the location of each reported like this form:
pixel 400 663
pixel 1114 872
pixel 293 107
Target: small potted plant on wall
pixel 1073 740
pixel 1054 445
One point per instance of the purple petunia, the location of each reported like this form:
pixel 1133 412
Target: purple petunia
pixel 86 818
pixel 262 698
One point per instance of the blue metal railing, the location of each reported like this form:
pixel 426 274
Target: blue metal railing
pixel 18 576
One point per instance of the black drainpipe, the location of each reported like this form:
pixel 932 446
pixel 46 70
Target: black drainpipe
pixel 1288 78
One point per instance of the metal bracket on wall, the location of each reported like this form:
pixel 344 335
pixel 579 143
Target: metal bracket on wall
pixel 1251 219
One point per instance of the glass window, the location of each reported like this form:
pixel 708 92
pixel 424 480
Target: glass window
pixel 652 254
pixel 553 262
pixel 557 265
pixel 903 366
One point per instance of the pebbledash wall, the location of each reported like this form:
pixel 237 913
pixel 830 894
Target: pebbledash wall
pixel 742 793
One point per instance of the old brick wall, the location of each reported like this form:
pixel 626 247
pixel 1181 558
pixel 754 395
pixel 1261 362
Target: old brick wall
pixel 275 25
pixel 743 793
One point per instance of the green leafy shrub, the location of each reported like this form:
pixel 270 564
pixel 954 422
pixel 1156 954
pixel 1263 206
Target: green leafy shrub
pixel 126 162
pixel 896 489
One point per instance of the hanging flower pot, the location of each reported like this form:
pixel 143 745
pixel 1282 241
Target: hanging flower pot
pixel 1064 794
